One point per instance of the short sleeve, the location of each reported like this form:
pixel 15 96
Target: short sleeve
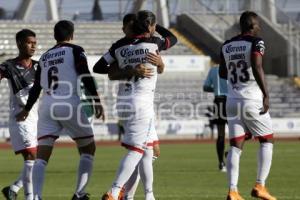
pixel 162 43
pixel 258 47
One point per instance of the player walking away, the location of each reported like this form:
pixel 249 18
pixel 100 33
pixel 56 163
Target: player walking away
pixel 135 98
pixel 247 103
pixel 20 73
pixel 214 83
pixel 61 68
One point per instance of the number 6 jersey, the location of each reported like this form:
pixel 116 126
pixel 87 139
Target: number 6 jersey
pixel 237 53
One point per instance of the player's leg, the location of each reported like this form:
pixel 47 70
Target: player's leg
pixel 20 132
pixel 86 148
pixel 261 127
pixel 132 184
pixel 44 151
pixel 220 145
pixel 79 128
pixel 220 103
pixel 146 172
pixel 126 168
pixel 29 157
pixel 237 137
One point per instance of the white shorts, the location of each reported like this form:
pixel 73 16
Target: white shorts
pixel 23 135
pixel 243 118
pixel 57 115
pixel 139 134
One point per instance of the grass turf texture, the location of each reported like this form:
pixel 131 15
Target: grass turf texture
pixel 184 171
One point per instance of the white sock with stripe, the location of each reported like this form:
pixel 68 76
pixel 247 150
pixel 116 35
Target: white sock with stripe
pixel 27 179
pixel 38 176
pixel 126 168
pixel 146 172
pixel 233 162
pixel 84 173
pixel 264 157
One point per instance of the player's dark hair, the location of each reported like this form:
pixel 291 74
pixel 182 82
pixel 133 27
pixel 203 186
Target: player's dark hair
pixel 23 34
pixel 129 18
pixel 144 18
pixel 63 30
pixel 246 21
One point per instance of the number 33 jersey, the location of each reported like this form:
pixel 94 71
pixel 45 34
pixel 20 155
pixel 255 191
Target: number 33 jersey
pixel 237 53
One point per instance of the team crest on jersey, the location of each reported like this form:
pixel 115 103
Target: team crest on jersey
pixel 261 47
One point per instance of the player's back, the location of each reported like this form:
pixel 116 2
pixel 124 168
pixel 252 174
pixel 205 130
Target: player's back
pixel 237 53
pixel 58 73
pixel 131 52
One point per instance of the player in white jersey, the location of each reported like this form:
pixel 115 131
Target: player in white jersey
pixel 115 73
pixel 135 98
pixel 247 103
pixel 63 67
pixel 20 73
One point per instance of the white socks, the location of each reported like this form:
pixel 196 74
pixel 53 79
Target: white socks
pixel 84 173
pixel 132 184
pixel 233 162
pixel 38 175
pixel 264 157
pixel 18 184
pixel 146 172
pixel 126 168
pixel 27 179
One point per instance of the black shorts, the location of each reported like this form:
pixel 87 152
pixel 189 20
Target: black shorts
pixel 220 110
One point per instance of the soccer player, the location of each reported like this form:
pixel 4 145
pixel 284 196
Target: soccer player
pixel 247 103
pixel 135 98
pixel 62 69
pixel 214 83
pixel 20 73
pixel 115 73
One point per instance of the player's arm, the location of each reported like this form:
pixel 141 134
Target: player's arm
pixel 101 66
pixel 82 69
pixel 169 38
pixel 155 59
pixel 208 84
pixel 33 96
pixel 258 73
pixel 222 67
pixel 140 70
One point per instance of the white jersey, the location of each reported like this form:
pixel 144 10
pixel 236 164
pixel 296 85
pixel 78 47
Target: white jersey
pixel 136 94
pixel 58 74
pixel 237 53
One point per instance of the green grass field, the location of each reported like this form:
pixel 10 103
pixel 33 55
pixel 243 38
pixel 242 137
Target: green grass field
pixel 184 171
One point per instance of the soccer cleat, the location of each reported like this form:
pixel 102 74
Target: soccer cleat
pixel 107 196
pixel 9 194
pixel 222 167
pixel 260 191
pixel 84 197
pixel 234 195
pixel 122 194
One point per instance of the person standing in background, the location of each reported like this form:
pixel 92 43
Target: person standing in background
pixel 218 86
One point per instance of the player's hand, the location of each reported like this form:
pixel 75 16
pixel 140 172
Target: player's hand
pixel 156 150
pixel 21 116
pixel 154 59
pixel 142 71
pixel 99 111
pixel 265 105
